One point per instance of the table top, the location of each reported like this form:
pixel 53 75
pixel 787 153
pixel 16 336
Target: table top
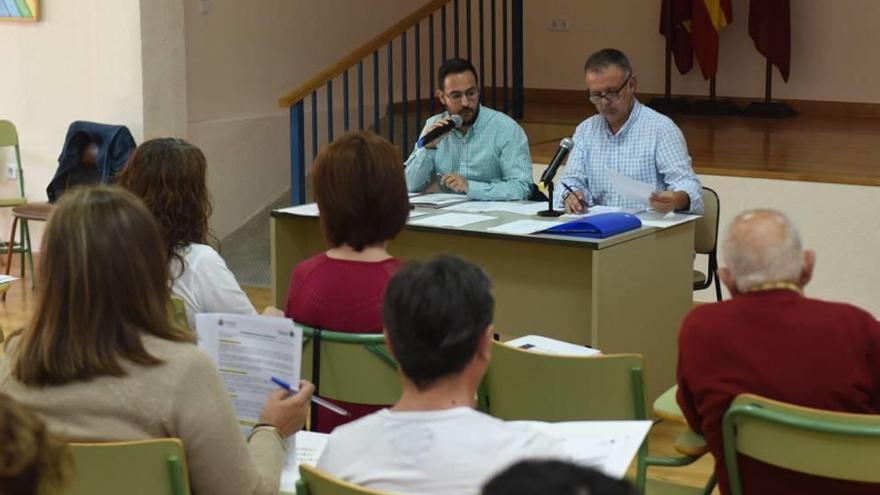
pixel 479 229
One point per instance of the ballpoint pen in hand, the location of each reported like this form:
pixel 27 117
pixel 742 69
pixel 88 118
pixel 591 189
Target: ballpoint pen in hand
pixel 571 191
pixel 317 400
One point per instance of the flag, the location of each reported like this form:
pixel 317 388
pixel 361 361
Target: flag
pixel 770 27
pixel 710 16
pixel 682 46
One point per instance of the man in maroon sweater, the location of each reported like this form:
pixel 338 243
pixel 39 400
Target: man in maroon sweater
pixel 773 341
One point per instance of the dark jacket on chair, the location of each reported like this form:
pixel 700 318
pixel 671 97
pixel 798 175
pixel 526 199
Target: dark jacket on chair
pixel 115 144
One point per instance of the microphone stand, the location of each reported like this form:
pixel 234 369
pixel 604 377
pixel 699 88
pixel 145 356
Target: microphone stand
pixel 550 212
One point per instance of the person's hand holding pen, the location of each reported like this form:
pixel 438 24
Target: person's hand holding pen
pixel 574 200
pixel 286 411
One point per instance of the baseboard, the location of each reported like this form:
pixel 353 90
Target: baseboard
pixel 812 108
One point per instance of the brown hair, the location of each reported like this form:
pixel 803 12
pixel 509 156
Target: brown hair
pixel 168 174
pixel 360 190
pixel 102 284
pixel 31 461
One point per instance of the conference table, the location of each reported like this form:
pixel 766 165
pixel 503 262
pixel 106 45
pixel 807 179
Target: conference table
pixel 623 294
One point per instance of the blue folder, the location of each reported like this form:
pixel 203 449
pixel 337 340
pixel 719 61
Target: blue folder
pixel 598 226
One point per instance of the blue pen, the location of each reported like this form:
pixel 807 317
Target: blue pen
pixel 317 400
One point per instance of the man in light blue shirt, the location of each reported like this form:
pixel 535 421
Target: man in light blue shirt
pixel 629 138
pixel 487 158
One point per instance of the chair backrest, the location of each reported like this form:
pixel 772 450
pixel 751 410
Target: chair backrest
pixel 147 467
pixel 525 385
pixel 706 227
pixel 8 134
pixel 178 312
pixel 9 137
pixel 822 443
pixel 350 367
pixel 313 481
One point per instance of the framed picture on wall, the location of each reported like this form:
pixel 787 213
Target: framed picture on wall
pixel 20 10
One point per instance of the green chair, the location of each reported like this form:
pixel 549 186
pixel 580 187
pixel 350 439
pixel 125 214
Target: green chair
pixel 178 312
pixel 9 138
pixel 350 367
pixel 812 441
pixel 313 481
pixel 525 385
pixel 146 467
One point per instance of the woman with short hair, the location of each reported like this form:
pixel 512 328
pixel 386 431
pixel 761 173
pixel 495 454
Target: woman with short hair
pixel 360 189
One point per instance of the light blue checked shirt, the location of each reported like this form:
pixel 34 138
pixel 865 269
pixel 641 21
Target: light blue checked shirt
pixel 649 148
pixel 493 156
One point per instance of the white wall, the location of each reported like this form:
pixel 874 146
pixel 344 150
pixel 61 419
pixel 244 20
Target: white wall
pixel 82 61
pixel 833 49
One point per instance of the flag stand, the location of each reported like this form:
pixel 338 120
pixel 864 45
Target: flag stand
pixel 668 104
pixel 768 107
pixel 713 106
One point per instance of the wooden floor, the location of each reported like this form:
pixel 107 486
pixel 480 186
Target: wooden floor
pixel 822 149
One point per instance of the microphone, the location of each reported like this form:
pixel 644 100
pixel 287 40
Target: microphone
pixel 550 172
pixel 454 123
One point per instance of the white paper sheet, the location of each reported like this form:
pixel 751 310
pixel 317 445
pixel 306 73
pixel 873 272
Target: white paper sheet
pixel 309 446
pixel 438 200
pixel 665 220
pixel 248 352
pixel 609 446
pixel 416 213
pixel 537 343
pixel 7 278
pixel 451 220
pixel 530 208
pixel 308 210
pixel 631 189
pixel 524 227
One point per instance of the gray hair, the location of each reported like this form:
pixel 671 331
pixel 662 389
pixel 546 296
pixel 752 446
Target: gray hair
pixel 762 246
pixel 606 57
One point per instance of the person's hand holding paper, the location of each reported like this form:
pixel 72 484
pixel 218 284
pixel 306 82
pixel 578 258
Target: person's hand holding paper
pixel 640 192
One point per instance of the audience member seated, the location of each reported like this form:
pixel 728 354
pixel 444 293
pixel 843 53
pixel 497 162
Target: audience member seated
pixel 101 360
pixel 361 194
pixel 169 176
pixel 438 324
pixel 32 461
pixel 555 478
pixel 772 340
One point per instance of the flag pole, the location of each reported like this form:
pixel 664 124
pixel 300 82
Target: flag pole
pixel 667 104
pixel 768 107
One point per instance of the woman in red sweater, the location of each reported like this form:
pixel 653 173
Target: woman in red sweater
pixel 360 189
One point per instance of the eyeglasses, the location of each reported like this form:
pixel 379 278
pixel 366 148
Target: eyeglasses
pixel 611 95
pixel 470 94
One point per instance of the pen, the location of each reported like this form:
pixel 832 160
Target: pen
pixel 317 400
pixel 570 190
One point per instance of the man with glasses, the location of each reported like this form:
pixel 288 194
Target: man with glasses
pixel 487 158
pixel 629 138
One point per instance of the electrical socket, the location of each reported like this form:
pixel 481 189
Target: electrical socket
pixel 204 7
pixel 559 24
pixel 11 171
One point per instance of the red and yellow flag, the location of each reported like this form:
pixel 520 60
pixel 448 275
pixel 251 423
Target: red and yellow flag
pixel 709 17
pixel 680 41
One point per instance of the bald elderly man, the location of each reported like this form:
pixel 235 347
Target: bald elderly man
pixel 772 340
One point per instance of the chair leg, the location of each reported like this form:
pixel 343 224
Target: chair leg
pixel 25 227
pixel 717 284
pixel 9 252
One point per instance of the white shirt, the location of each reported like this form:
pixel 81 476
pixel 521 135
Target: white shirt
pixel 430 452
pixel 207 285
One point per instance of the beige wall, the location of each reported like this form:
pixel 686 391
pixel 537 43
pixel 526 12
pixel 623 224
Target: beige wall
pixel 239 61
pixel 833 49
pixel 82 61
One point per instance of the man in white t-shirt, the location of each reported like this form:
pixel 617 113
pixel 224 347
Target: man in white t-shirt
pixel 438 324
